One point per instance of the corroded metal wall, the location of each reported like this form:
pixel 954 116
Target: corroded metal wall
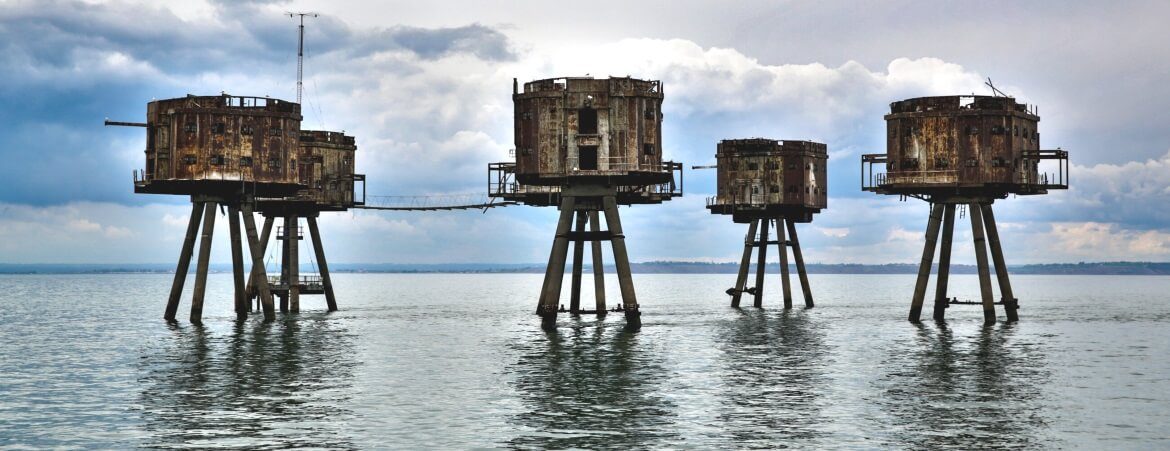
pixel 965 141
pixel 755 174
pixel 197 139
pixel 583 127
pixel 326 167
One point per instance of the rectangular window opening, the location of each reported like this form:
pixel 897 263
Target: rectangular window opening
pixel 587 121
pixel 587 158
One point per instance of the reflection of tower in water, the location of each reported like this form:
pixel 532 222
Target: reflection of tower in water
pixel 981 392
pixel 590 388
pixel 774 366
pixel 206 388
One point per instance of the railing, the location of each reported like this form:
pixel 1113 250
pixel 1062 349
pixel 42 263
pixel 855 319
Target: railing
pixel 141 177
pixel 280 233
pixel 1028 175
pixel 502 182
pixel 308 281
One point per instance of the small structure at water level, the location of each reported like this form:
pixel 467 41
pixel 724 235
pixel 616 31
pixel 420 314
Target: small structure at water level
pixel 763 181
pixel 586 146
pixel 246 153
pixel 963 150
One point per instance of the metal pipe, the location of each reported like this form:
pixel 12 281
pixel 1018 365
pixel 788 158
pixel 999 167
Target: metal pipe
pixel 744 262
pixel 941 301
pixel 315 234
pixel 621 261
pixel 1001 270
pixel 761 264
pixel 981 261
pixel 598 265
pixel 782 243
pixel 204 259
pixel 184 261
pixel 799 258
pixel 932 227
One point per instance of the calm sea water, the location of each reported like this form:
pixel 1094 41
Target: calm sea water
pixel 459 361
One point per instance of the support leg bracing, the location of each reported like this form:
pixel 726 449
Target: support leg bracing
pixel 259 275
pixel 578 261
pixel 941 301
pixel 184 261
pixel 932 227
pixel 237 263
pixel 981 261
pixel 799 259
pixel 782 243
pixel 622 263
pixel 326 280
pixel 555 272
pixel 1001 270
pixel 598 266
pixel 204 259
pixel 264 238
pixel 744 263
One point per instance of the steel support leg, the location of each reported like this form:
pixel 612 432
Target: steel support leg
pixel 259 275
pixel 315 234
pixel 1001 271
pixel 578 261
pixel 184 261
pixel 744 263
pixel 598 265
pixel 622 262
pixel 981 260
pixel 555 272
pixel 941 301
pixel 761 264
pixel 294 265
pixel 784 275
pixel 927 259
pixel 204 259
pixel 284 280
pixel 799 258
pixel 237 263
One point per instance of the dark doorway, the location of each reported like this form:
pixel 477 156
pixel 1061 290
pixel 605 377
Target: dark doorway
pixel 587 121
pixel 588 158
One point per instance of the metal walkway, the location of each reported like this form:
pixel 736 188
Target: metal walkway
pixel 477 201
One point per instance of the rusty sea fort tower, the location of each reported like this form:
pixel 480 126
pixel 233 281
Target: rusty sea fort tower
pixel 250 155
pixel 764 181
pixel 963 151
pixel 586 146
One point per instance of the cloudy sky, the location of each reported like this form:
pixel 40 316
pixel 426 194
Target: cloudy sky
pixel 425 88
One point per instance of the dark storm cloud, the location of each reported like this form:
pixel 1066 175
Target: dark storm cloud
pixel 66 65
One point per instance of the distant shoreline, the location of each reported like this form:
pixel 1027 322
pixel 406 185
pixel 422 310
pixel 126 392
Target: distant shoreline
pixel 661 267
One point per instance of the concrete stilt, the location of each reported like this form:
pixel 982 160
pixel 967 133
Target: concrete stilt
pixel 184 261
pixel 265 236
pixel 578 261
pixel 744 263
pixel 598 266
pixel 621 261
pixel 927 259
pixel 981 261
pixel 941 301
pixel 294 264
pixel 782 243
pixel 284 267
pixel 761 264
pixel 204 259
pixel 237 262
pixel 799 259
pixel 315 234
pixel 555 272
pixel 259 275
pixel 1001 270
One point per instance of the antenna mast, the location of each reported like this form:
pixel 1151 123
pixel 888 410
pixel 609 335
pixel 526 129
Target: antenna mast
pixel 300 50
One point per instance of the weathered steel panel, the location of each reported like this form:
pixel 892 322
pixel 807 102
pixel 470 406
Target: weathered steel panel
pixel 770 178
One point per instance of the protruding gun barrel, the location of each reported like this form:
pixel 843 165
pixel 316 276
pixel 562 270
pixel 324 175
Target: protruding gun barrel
pixel 125 124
